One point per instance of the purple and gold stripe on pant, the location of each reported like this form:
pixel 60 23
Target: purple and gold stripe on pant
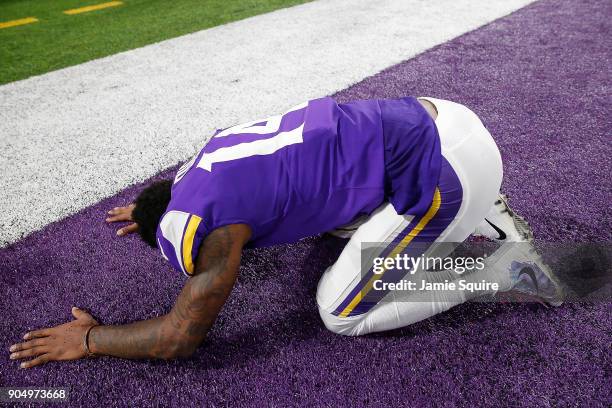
pixel 424 229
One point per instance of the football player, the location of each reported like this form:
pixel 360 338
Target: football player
pixel 409 174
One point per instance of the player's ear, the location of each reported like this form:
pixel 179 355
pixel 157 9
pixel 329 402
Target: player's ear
pixel 149 207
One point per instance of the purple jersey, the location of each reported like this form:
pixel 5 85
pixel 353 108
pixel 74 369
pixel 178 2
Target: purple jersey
pixel 318 166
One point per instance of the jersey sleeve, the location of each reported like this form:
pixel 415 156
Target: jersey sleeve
pixel 179 237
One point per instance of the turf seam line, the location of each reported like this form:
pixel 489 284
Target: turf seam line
pixel 94 7
pixel 18 22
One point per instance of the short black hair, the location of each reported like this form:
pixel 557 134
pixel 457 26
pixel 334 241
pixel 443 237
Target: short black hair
pixel 149 207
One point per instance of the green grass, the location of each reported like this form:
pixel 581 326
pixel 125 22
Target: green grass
pixel 60 40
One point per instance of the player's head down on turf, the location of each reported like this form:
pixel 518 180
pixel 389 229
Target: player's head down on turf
pixel 150 205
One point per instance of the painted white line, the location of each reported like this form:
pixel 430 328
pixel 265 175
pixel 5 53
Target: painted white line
pixel 74 136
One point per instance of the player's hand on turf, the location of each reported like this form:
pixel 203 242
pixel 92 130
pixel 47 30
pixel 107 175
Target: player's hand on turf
pixel 64 342
pixel 123 214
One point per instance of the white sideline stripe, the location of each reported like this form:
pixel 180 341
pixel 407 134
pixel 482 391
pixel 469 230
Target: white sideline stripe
pixel 72 137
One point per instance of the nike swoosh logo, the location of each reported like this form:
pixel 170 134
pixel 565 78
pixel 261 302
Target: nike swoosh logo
pixel 502 234
pixel 529 272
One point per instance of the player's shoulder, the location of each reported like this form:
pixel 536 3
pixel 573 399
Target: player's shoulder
pixel 192 212
pixel 179 235
pixel 182 227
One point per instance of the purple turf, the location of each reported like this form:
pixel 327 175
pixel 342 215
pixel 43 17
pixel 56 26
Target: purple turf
pixel 540 79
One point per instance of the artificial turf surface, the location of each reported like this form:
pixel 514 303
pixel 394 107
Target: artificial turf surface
pixel 60 40
pixel 540 80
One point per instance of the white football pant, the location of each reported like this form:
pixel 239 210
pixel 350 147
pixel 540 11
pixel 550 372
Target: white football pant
pixel 469 184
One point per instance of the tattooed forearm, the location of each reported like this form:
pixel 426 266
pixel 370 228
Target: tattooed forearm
pixel 135 340
pixel 180 332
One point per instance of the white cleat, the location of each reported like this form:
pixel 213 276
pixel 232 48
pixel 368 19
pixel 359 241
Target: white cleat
pixel 503 225
pixel 533 278
pixel 525 276
pixel 529 276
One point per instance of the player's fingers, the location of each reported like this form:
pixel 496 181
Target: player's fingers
pixel 81 314
pixel 119 210
pixel 42 359
pixel 127 230
pixel 31 352
pixel 123 214
pixel 132 228
pixel 36 333
pixel 27 345
pixel 116 218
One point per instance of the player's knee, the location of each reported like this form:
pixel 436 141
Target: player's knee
pixel 345 326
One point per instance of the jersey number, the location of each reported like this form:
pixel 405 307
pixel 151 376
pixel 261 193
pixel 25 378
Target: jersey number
pixel 257 147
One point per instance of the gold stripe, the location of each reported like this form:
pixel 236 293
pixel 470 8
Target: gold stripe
pixel 194 222
pixel 433 209
pixel 93 8
pixel 21 21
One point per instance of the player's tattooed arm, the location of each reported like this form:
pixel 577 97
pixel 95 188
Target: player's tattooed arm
pixel 176 334
pixel 181 331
